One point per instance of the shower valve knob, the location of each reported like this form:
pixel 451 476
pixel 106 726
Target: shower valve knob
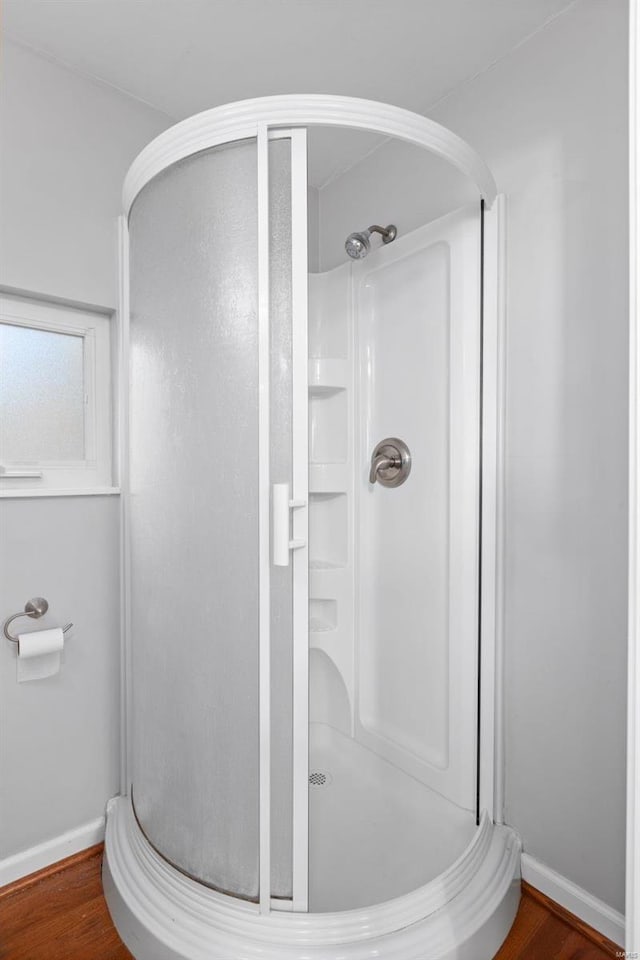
pixel 390 463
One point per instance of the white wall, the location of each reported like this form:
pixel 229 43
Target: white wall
pixel 67 143
pixel 550 119
pixel 399 184
pixel 59 744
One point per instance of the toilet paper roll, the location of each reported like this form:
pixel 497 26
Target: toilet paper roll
pixel 39 654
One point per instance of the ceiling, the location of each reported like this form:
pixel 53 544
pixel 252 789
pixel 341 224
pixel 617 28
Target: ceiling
pixel 183 56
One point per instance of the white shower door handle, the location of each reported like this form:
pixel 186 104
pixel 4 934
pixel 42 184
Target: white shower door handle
pixel 282 505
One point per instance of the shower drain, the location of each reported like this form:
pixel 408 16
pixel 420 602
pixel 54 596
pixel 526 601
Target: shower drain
pixel 318 778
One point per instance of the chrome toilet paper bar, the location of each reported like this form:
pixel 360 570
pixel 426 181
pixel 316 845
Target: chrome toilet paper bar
pixel 34 608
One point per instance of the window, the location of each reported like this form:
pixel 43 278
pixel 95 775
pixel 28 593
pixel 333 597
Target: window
pixel 55 398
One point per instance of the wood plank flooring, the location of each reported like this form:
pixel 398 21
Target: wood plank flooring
pixel 60 914
pixel 543 930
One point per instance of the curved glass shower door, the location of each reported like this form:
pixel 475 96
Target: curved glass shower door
pixel 214 367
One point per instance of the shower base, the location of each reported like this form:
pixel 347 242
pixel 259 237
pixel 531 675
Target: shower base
pixel 463 914
pixel 375 832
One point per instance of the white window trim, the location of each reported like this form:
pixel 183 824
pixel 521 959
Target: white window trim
pixel 92 475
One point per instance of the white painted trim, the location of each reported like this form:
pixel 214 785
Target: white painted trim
pixel 264 506
pixel 95 469
pixel 44 854
pixel 52 299
pixel 491 771
pixel 633 731
pixel 55 492
pixel 573 898
pixel 300 519
pixel 160 913
pixel 123 317
pixel 236 121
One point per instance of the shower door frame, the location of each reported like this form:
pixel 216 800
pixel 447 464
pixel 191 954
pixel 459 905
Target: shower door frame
pixel 289 117
pixel 299 510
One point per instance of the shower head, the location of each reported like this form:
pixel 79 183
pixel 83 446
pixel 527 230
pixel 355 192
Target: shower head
pixel 358 244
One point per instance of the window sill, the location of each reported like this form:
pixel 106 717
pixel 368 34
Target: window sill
pixel 62 492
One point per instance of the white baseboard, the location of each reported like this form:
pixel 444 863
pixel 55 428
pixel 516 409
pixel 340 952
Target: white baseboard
pixel 573 898
pixel 36 858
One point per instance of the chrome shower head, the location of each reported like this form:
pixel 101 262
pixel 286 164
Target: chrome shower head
pixel 358 244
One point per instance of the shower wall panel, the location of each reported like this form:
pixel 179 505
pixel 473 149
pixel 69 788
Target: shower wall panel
pixel 418 335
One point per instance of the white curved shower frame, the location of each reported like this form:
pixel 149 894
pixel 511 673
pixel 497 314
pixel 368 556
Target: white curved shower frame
pixel 241 120
pixel 471 906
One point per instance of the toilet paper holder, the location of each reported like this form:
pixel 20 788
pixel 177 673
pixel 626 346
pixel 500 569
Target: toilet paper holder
pixel 34 608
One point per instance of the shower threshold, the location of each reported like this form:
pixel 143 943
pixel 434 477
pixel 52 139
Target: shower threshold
pixel 161 914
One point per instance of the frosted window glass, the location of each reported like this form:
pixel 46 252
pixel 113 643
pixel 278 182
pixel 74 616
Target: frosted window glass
pixel 41 395
pixel 194 516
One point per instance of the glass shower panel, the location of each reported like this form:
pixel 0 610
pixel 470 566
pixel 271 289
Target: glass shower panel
pixel 281 467
pixel 193 516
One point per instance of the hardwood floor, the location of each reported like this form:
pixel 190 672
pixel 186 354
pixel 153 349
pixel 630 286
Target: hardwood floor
pixel 543 930
pixel 60 914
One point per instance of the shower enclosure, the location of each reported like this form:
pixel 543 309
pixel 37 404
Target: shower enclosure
pixel 309 533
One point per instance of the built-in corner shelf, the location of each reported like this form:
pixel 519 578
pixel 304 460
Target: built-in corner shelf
pixel 328 478
pixel 323 615
pixel 327 376
pixel 331 430
pixel 316 625
pixel 325 565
